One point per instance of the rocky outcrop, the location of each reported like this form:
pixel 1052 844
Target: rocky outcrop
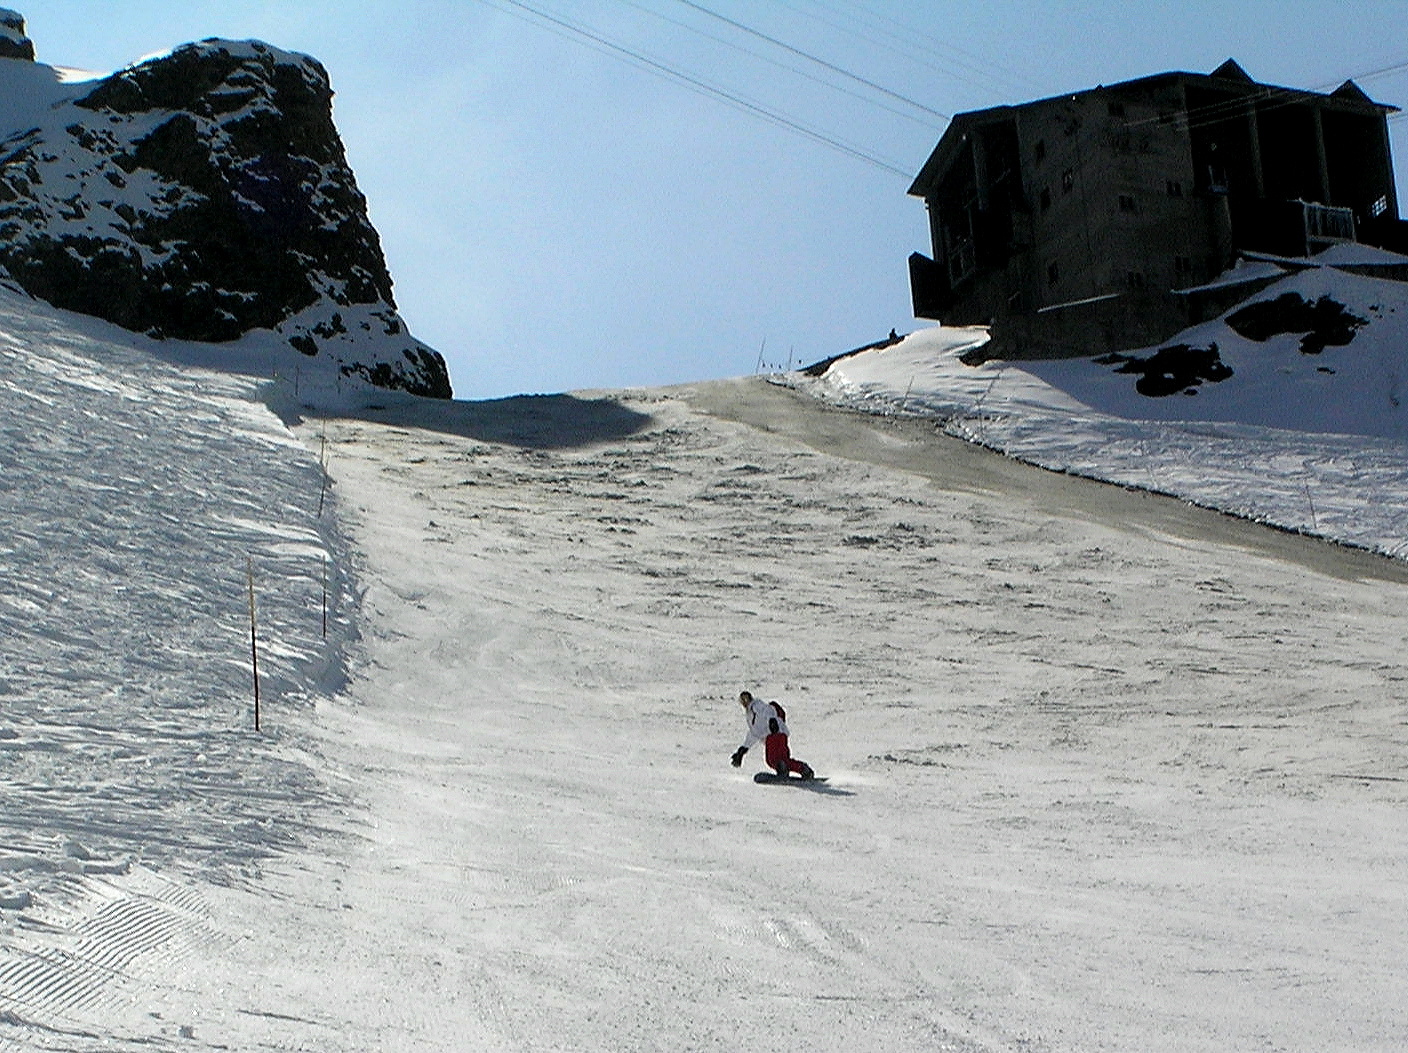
pixel 13 43
pixel 201 195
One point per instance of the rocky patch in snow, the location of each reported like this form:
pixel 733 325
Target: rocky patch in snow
pixel 1324 321
pixel 1170 370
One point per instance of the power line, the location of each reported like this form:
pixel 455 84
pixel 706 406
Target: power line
pixel 917 44
pixel 923 122
pixel 813 58
pixel 1395 68
pixel 601 43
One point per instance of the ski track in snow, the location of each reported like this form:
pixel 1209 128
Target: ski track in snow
pixel 1106 772
pixel 94 969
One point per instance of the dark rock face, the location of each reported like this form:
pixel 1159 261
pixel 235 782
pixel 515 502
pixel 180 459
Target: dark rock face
pixel 1325 322
pixel 1170 370
pixel 204 194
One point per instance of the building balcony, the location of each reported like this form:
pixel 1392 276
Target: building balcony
pixel 1290 228
pixel 1327 224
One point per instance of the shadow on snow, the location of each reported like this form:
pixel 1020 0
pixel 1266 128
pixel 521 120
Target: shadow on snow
pixel 531 422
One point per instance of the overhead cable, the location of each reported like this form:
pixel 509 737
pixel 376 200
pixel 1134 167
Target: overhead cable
pixel 814 78
pixel 756 109
pixel 819 61
pixel 922 47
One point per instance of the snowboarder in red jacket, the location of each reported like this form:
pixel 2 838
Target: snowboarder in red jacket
pixel 767 722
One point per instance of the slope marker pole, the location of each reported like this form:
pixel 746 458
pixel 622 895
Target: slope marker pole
pixel 323 465
pixel 253 641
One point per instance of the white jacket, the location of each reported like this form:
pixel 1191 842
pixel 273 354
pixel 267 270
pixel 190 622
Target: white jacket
pixel 760 716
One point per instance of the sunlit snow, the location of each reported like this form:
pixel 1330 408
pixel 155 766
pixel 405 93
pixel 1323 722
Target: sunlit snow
pixel 1107 771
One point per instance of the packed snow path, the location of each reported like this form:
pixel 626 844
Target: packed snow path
pixel 1107 772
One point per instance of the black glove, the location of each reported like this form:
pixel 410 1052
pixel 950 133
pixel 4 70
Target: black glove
pixel 737 759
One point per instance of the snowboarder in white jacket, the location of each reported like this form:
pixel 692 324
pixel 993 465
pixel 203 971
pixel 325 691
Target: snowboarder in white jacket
pixel 767 723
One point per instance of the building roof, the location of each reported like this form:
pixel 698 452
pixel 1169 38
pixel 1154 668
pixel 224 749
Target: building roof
pixel 1228 75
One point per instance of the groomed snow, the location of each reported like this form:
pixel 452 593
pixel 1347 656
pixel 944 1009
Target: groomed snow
pixel 1107 771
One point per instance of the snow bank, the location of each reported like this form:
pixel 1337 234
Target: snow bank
pixel 135 495
pixel 1316 443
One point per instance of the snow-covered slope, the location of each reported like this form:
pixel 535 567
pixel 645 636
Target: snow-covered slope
pixel 1281 429
pixel 1107 772
pixel 201 195
pixel 135 495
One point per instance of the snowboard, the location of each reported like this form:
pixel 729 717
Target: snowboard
pixel 773 777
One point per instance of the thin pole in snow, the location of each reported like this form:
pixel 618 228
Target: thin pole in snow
pixel 253 642
pixel 323 464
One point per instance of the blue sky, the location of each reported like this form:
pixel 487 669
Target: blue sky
pixel 657 205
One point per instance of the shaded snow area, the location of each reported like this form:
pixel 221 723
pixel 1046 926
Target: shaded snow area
pixel 1308 440
pixel 135 498
pixel 1106 771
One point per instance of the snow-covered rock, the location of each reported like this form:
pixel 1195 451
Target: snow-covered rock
pixel 13 42
pixel 200 195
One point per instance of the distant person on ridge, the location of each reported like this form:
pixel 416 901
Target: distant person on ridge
pixel 767 722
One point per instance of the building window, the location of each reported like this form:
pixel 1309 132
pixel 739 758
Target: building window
pixel 1379 207
pixel 961 258
pixel 1217 174
pixel 1039 151
pixel 1045 198
pixel 1068 180
pixel 1175 188
pixel 1053 273
pixel 1127 203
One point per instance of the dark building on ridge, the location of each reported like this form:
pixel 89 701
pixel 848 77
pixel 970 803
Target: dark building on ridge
pixel 1078 224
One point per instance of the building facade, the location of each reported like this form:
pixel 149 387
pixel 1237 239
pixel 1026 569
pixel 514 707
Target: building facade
pixel 1076 225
